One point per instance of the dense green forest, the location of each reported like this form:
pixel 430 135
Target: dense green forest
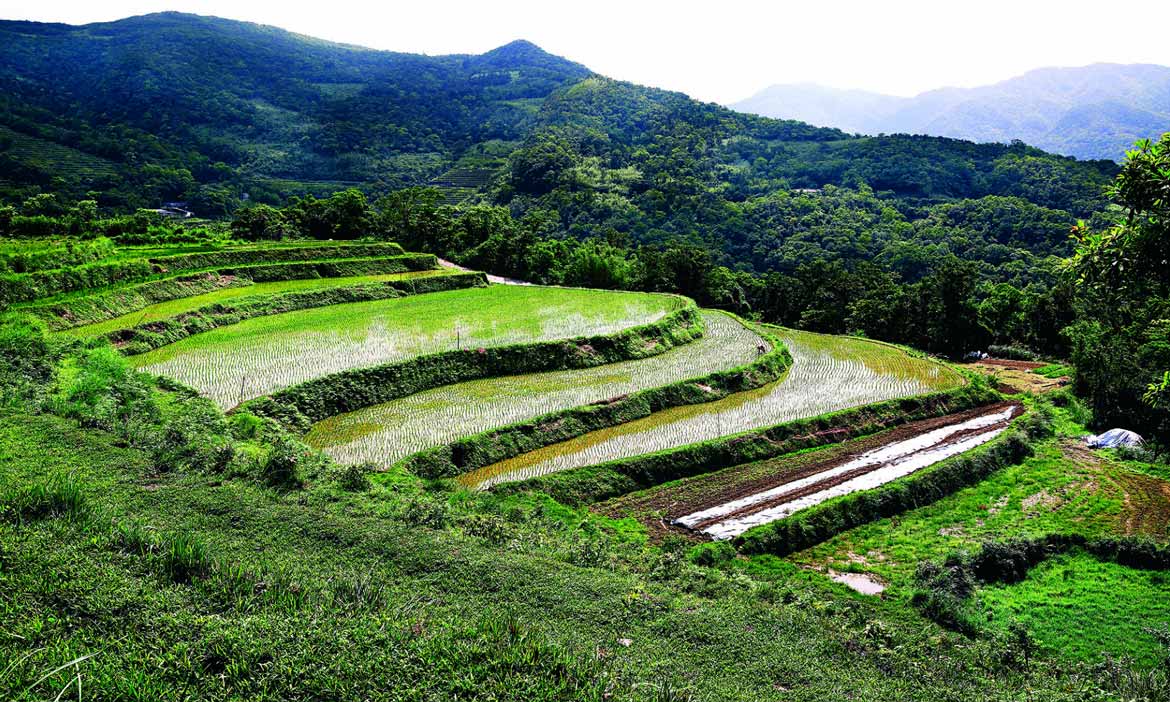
pixel 575 179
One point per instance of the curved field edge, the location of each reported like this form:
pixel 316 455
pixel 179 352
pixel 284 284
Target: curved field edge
pixel 103 304
pixel 300 406
pixel 24 287
pixel 824 521
pixel 156 334
pixel 603 481
pixel 485 448
pixel 828 373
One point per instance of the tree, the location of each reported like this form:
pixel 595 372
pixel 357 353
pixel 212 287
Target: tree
pixel 1121 339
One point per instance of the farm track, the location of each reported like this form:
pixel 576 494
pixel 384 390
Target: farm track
pixel 662 508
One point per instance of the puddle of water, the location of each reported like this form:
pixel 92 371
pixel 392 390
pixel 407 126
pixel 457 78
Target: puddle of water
pixel 861 582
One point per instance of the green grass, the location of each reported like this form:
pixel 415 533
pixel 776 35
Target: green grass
pixel 1044 494
pixel 387 432
pixel 192 587
pixel 170 308
pixel 264 354
pixel 1082 608
pixel 828 373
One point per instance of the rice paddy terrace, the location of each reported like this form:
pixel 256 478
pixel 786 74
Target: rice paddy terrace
pixel 331 332
pixel 797 451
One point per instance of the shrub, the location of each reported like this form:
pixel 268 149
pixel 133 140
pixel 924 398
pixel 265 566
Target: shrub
pixel 354 477
pixel 712 554
pixel 99 389
pixel 27 360
pixel 1015 353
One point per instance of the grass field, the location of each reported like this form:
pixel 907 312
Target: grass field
pixel 319 594
pixel 1076 606
pixel 828 373
pixel 1064 488
pixel 388 432
pixel 261 355
pixel 171 308
pixel 1081 608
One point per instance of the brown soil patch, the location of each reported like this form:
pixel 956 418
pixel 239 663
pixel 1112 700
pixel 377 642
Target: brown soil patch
pixel 1016 378
pixel 1146 503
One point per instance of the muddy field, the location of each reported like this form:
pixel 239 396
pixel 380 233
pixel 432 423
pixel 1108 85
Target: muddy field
pixel 728 502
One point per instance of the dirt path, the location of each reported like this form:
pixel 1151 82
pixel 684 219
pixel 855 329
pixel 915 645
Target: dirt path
pixel 497 279
pixel 1017 376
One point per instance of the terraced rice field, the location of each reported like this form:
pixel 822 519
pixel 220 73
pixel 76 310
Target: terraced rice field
pixel 790 492
pixel 829 373
pixel 170 308
pixel 264 354
pixel 388 432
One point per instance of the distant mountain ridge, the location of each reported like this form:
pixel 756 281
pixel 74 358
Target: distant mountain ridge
pixel 1094 111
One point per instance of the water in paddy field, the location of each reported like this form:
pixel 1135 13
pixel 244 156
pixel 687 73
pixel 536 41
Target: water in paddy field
pixel 262 355
pixel 896 460
pixel 391 431
pixel 828 373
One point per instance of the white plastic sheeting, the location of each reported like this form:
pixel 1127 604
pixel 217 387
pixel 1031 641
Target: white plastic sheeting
pixel 1114 438
pixel 897 459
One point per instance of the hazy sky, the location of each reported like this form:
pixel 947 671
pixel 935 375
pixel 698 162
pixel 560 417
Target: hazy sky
pixel 720 50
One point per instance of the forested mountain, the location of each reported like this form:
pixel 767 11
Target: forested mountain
pixel 533 148
pixel 173 106
pixel 161 104
pixel 1095 111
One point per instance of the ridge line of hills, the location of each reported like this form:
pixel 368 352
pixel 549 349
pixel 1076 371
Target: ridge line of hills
pixel 1094 111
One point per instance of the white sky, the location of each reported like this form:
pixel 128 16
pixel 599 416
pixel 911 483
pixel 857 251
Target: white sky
pixel 719 50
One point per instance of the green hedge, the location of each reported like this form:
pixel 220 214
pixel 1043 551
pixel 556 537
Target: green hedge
pixel 23 287
pixel 600 482
pixel 271 254
pixel 152 335
pixel 301 405
pixel 824 521
pixel 88 309
pixel 470 453
pixel 337 268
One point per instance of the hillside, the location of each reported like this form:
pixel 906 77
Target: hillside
pixel 205 110
pixel 528 493
pixel 1091 112
pixel 229 100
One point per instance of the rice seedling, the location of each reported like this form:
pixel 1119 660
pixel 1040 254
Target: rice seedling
pixel 828 373
pixel 170 308
pixel 258 356
pixel 385 433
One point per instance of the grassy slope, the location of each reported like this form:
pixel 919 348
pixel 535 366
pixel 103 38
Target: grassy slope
pixel 280 350
pixel 163 310
pixel 1064 488
pixel 418 583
